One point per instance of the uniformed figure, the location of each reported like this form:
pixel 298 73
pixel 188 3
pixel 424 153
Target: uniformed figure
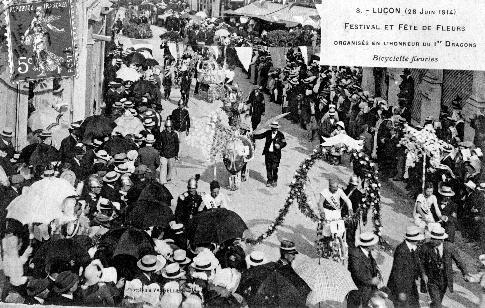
pixel 188 203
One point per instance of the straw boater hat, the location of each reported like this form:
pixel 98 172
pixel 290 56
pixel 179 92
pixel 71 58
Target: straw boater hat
pixel 7 132
pixel 471 185
pixel 151 263
pixel 45 134
pixel 446 191
pixel 414 234
pixel 274 124
pixel 150 138
pixel 177 228
pixel 481 186
pixel 148 122
pixel 120 158
pixel 102 154
pixel 203 263
pixel 173 271
pixel 180 256
pixel 48 173
pixel 288 247
pixel 111 177
pixel 122 169
pixel 256 258
pixel 438 233
pixel 367 239
pixel 341 124
pixel 118 105
pixel 128 104
pixel 97 142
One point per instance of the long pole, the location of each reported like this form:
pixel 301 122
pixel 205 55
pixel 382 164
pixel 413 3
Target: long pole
pixel 424 170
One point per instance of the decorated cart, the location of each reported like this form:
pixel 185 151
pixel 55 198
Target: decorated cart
pixel 212 78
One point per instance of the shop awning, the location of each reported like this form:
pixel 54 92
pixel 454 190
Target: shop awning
pixel 290 15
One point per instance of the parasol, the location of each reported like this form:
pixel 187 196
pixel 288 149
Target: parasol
pixel 201 14
pixel 269 121
pixel 215 226
pixel 346 140
pixel 96 126
pixel 129 124
pixel 222 33
pixel 273 285
pixel 322 280
pixel 128 74
pixel 42 202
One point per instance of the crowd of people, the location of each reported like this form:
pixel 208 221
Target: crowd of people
pixel 121 227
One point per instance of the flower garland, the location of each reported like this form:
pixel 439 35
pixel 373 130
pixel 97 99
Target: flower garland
pixel 363 167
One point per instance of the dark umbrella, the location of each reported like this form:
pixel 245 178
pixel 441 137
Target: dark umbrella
pixel 122 248
pixel 136 58
pixel 60 255
pixel 271 285
pixel 156 192
pixel 96 126
pixel 146 214
pixel 118 145
pixel 141 87
pixel 151 62
pixel 215 226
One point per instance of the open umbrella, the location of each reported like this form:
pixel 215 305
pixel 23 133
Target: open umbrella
pixel 201 14
pixel 322 280
pixel 215 226
pixel 346 140
pixel 42 202
pixel 146 214
pixel 151 62
pixel 222 32
pixel 128 74
pixel 96 126
pixel 273 285
pixel 136 58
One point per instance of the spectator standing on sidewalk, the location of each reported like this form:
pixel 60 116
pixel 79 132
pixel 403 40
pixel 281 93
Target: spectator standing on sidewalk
pixel 169 152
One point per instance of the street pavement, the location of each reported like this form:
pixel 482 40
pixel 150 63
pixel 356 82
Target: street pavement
pixel 259 205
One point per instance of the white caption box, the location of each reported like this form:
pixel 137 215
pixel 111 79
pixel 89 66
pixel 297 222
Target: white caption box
pixel 433 34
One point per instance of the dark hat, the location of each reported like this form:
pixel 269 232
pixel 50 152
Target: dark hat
pixel 406 71
pixel 37 286
pixel 214 184
pixel 79 150
pixel 288 247
pixel 65 281
pixel 456 103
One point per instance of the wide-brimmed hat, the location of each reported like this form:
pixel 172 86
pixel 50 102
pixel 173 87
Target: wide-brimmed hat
pixel 37 286
pixel 7 132
pixel 150 139
pixel 65 281
pixel 177 228
pixel 256 258
pixel 368 239
pixel 102 154
pixel 180 256
pixel 438 233
pixel 288 247
pixel 447 148
pixel 97 142
pixel 111 176
pixel 203 263
pixel 48 173
pixel 45 134
pixel 414 233
pixel 122 169
pixel 148 122
pixel 118 104
pixel 173 271
pixel 128 104
pixel 446 191
pixel 274 124
pixel 120 158
pixel 341 124
pixel 481 186
pixel 151 263
pixel 332 111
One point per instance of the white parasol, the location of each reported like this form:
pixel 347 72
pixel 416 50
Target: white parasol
pixel 128 74
pixel 350 142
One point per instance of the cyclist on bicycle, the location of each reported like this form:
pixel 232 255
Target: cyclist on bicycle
pixel 330 206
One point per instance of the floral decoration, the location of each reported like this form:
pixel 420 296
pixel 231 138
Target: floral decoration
pixel 363 167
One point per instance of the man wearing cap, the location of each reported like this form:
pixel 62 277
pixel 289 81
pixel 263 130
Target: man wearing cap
pixel 287 256
pixel 257 106
pixel 274 143
pixel 6 145
pixel 188 203
pixel 169 152
pixel 406 270
pixel 67 144
pixel 363 267
pixel 436 259
pixel 181 118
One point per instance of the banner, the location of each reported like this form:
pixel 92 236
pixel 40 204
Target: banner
pixel 40 40
pixel 245 55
